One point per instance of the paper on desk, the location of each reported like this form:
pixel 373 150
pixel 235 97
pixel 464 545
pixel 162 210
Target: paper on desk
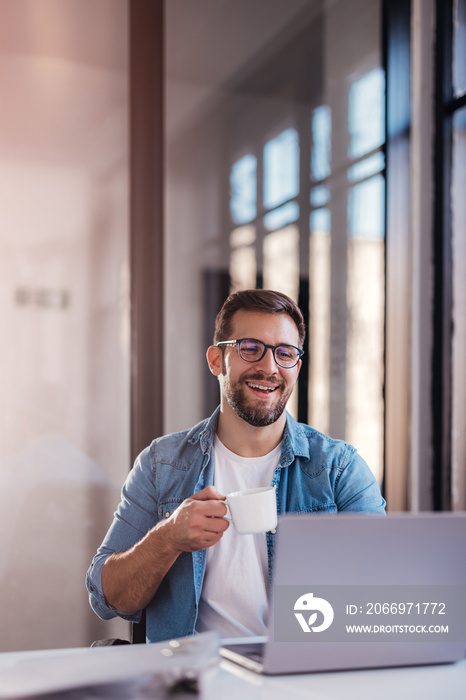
pixel 133 671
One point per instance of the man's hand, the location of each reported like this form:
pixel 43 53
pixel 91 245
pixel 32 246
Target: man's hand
pixel 197 523
pixel 130 579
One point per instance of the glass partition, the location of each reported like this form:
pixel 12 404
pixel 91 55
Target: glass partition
pixel 64 321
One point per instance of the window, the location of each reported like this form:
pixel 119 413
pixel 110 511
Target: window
pixel 307 218
pixel 275 177
pixel 450 309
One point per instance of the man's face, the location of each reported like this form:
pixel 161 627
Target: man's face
pixel 258 391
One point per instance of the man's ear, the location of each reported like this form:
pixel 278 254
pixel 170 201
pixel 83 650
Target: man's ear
pixel 214 359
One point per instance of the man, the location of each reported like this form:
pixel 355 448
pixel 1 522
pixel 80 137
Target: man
pixel 169 549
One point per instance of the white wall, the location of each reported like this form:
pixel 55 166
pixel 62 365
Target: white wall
pixel 64 355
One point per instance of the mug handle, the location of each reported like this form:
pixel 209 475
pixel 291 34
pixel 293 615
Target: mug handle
pixel 228 515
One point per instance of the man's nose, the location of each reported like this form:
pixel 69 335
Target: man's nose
pixel 268 361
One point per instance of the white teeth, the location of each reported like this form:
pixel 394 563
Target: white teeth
pixel 261 387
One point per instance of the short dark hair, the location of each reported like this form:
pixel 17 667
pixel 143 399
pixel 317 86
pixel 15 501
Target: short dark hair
pixel 263 301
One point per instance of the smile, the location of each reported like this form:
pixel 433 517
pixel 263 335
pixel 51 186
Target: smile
pixel 261 387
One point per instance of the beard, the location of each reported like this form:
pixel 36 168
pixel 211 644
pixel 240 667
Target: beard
pixel 256 414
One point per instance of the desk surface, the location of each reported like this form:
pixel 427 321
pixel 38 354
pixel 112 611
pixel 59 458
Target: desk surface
pixel 230 682
pixel 424 682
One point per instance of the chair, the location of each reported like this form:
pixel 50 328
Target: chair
pixel 138 635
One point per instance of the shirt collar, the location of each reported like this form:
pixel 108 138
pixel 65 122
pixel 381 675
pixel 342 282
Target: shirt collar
pixel 295 441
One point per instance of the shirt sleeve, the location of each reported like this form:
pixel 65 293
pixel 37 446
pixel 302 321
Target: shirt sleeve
pixel 135 516
pixel 356 488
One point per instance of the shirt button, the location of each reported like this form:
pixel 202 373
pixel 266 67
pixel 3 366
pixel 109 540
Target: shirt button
pixel 167 514
pixel 272 532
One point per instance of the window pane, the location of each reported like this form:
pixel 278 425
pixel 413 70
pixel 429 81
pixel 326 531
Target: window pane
pixel 320 222
pixel 366 209
pixel 243 267
pixel 320 196
pixel 365 348
pixel 278 218
pixel 281 168
pixel 243 192
pixel 459 47
pixel 281 261
pixel 367 167
pixel 321 142
pixel 366 113
pixel 365 338
pixel 459 312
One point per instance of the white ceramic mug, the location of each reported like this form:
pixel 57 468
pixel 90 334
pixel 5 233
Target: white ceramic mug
pixel 253 510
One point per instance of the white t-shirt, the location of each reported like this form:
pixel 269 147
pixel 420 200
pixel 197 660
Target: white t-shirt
pixel 235 593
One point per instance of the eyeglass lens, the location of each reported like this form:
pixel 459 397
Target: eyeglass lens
pixel 253 350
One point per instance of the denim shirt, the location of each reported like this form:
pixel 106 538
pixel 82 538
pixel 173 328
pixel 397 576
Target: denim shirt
pixel 315 474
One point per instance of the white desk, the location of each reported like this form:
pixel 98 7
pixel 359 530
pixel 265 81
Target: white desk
pixel 443 682
pixel 227 681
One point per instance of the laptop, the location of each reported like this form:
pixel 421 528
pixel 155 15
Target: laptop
pixel 359 591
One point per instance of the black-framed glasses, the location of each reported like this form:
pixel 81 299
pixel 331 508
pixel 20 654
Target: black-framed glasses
pixel 253 350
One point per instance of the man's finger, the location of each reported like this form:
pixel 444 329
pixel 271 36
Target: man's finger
pixel 216 524
pixel 212 509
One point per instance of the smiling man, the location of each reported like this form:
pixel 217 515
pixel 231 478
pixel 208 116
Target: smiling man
pixel 169 549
